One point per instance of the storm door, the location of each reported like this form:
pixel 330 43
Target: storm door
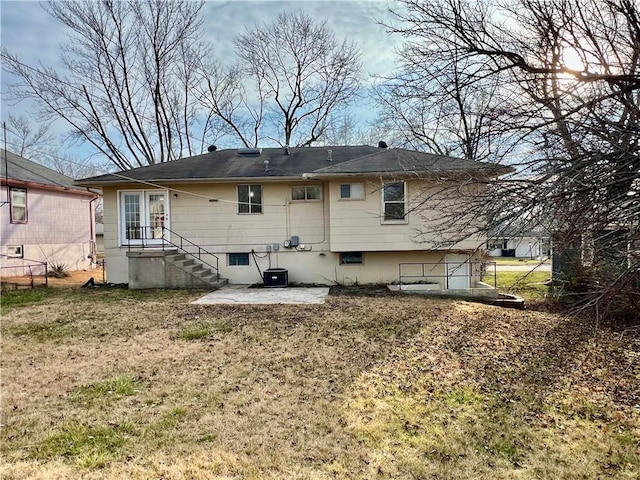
pixel 143 217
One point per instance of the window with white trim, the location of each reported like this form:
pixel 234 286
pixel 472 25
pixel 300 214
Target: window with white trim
pixel 307 193
pixel 144 214
pixel 249 198
pixel 394 202
pixel 15 251
pixel 237 259
pixel 352 191
pixel 18 205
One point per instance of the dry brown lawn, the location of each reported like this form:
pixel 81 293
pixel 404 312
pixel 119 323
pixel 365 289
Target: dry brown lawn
pixel 108 383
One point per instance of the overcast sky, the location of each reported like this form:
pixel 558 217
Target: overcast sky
pixel 28 31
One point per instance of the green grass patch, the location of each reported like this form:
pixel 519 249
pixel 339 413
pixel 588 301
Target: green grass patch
pixel 194 332
pixel 222 326
pixel 514 261
pixel 19 298
pixel 88 446
pixel 463 396
pixel 528 284
pixel 41 331
pixel 201 331
pixel 105 391
pixel 166 431
pixel 207 437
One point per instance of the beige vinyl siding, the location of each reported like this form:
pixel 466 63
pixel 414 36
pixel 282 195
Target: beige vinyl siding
pixel 116 265
pixel 219 228
pixel 325 227
pixel 323 268
pixel 219 225
pixel 358 225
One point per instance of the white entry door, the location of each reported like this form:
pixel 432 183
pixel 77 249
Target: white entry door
pixel 458 272
pixel 144 214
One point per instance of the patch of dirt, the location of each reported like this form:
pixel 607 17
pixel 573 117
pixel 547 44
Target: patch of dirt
pixel 76 278
pixel 380 290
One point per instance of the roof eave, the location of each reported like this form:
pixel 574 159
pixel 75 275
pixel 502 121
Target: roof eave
pixel 479 173
pixel 44 186
pixel 184 180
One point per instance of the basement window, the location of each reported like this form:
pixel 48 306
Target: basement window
pixel 238 259
pixel 15 251
pixel 351 258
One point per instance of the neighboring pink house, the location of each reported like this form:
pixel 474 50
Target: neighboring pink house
pixel 44 218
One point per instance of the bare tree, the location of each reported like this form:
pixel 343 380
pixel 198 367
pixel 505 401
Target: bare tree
pixel 130 70
pixel 39 145
pixel 346 130
pixel 433 107
pixel 23 137
pixel 576 161
pixel 292 77
pixel 233 112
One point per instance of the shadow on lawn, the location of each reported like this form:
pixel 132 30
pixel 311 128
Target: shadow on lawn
pixel 530 359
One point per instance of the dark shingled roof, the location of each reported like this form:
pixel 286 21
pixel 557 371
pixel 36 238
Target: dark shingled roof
pixel 314 162
pixel 20 169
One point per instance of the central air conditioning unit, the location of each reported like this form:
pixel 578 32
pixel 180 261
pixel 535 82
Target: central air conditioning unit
pixel 275 277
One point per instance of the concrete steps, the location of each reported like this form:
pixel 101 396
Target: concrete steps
pixel 194 273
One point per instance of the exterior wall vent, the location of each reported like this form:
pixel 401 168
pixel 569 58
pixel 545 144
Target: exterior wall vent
pixel 249 152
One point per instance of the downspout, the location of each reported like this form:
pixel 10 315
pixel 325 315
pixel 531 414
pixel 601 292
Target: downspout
pixel 6 164
pixel 92 219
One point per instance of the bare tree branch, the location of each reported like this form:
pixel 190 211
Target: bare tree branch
pixel 129 74
pixel 301 73
pixel 571 134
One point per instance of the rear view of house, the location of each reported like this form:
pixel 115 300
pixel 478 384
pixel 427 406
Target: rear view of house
pixel 45 219
pixel 319 215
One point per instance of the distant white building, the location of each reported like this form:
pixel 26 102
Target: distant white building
pixel 44 219
pixel 518 244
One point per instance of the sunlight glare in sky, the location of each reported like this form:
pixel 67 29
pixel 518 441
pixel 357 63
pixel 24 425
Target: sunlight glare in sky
pixel 571 58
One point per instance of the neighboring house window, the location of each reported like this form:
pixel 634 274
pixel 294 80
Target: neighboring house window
pixel 18 205
pixel 351 258
pixel 238 259
pixel 352 191
pixel 249 198
pixel 313 192
pixel 394 196
pixel 15 251
pixel 143 215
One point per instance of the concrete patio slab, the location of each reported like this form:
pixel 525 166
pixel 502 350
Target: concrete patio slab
pixel 242 294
